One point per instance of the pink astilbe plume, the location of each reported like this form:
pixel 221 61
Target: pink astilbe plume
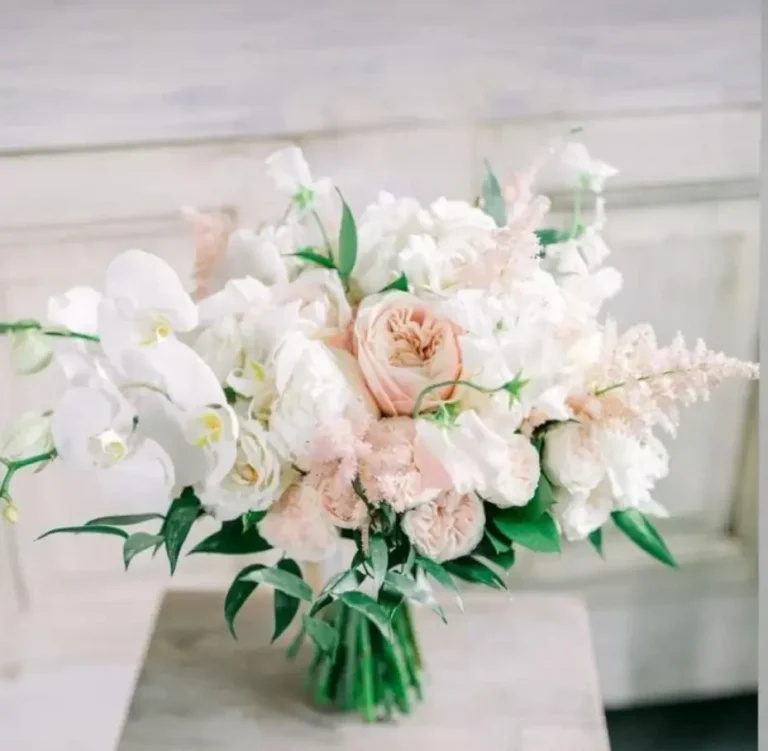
pixel 643 385
pixel 212 232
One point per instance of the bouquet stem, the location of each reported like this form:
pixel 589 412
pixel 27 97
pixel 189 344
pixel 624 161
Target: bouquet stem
pixel 368 673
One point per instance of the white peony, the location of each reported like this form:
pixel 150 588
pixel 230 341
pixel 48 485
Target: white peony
pixel 582 512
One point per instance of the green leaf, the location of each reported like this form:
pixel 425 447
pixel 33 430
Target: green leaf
pixel 641 531
pixel 552 236
pixel 322 634
pixel 347 241
pixel 286 606
pixel 541 535
pixel 371 609
pixel 307 254
pixel 94 529
pixel 287 582
pixel 233 539
pixel 441 576
pixel 471 570
pixel 344 581
pixel 596 538
pixel 124 520
pixel 137 542
pixel 493 200
pixel 401 283
pixel 239 591
pixel 181 516
pixel 379 558
pixel 407 587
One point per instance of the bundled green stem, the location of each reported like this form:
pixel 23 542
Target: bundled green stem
pixel 367 671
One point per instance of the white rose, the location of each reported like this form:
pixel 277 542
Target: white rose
pixel 253 483
pixel 572 457
pixel 298 525
pixel 30 352
pixel 448 527
pixel 518 477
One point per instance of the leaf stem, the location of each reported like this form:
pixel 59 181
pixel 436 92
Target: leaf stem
pixel 15 465
pixel 647 377
pixel 443 384
pixel 323 233
pixel 9 327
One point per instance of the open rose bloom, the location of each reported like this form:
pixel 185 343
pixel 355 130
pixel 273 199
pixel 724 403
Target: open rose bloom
pixel 418 392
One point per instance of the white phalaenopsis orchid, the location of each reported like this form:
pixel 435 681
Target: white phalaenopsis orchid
pixel 94 428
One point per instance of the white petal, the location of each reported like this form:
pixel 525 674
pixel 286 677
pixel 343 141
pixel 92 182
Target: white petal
pixel 75 310
pixel 31 352
pixel 142 482
pixel 289 170
pixel 140 281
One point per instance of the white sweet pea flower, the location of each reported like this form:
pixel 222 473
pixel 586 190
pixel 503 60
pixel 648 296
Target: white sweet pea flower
pixel 487 456
pixel 253 483
pixel 93 428
pixel 584 511
pixel 633 468
pixel 31 351
pixel 144 305
pixel 583 170
pixel 290 172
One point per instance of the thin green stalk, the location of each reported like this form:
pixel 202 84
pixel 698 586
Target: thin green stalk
pixel 410 651
pixel 433 387
pixel 399 679
pixel 648 377
pixel 10 327
pixel 366 699
pixel 323 233
pixel 350 658
pixel 15 465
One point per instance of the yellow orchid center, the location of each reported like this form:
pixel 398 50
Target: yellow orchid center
pixel 156 328
pixel 210 428
pixel 108 448
pixel 257 370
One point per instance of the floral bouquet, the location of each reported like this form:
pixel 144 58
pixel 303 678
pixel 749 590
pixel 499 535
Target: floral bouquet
pixel 432 385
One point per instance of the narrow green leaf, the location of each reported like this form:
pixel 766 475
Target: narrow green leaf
pixel 181 516
pixel 441 576
pixel 345 581
pixel 596 538
pixel 541 535
pixel 322 634
pixel 366 605
pixel 641 531
pixel 347 241
pixel 124 520
pixel 550 236
pixel 379 558
pixel 472 570
pixel 94 529
pixel 504 561
pixel 306 254
pixel 286 606
pixel 401 283
pixel 137 542
pixel 493 199
pixel 239 591
pixel 233 539
pixel 407 587
pixel 287 582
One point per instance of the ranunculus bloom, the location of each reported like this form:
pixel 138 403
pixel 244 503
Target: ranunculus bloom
pixel 446 528
pixel 403 347
pixel 297 525
pixel 395 471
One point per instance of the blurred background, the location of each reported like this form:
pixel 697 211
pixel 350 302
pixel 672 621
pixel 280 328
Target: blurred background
pixel 115 115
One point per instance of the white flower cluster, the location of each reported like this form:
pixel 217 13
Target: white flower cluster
pixel 431 359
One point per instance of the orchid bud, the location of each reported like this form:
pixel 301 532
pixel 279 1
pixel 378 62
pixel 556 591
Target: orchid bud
pixel 10 512
pixel 29 436
pixel 30 351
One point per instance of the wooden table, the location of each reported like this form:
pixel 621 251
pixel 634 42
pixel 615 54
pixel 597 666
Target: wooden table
pixel 510 674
